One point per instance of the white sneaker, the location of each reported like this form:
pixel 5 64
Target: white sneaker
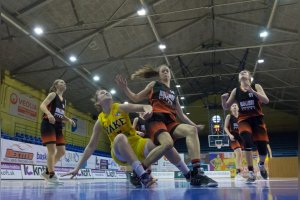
pixel 45 176
pixel 251 179
pixel 239 177
pixel 54 180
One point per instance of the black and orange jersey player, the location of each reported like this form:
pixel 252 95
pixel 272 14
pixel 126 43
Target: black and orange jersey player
pixel 53 108
pixel 163 127
pixel 232 130
pixel 252 128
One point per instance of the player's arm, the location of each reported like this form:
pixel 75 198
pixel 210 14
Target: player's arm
pixel 44 105
pixel 134 123
pixel 226 125
pixel 228 101
pixel 90 148
pixel 122 83
pixel 260 94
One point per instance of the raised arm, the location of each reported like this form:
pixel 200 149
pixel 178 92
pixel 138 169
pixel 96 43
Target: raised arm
pixel 260 94
pixel 90 148
pixel 146 109
pixel 227 102
pixel 122 83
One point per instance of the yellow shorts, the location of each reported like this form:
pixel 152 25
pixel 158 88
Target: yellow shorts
pixel 137 143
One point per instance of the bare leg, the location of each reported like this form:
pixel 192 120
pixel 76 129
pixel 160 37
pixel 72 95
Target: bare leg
pixel 51 157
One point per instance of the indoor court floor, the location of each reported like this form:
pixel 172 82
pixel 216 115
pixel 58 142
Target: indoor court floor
pixel 229 189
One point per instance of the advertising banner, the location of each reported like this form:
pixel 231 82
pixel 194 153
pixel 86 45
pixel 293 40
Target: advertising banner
pixel 80 126
pixel 11 171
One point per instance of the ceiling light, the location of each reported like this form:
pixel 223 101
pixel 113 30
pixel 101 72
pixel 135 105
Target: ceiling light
pixel 38 30
pixel 182 98
pixel 187 113
pixel 125 102
pixel 178 86
pixel 252 79
pixel 73 59
pixel 96 78
pixel 113 91
pixel 141 12
pixel 264 34
pixel 260 61
pixel 162 46
pixel 181 106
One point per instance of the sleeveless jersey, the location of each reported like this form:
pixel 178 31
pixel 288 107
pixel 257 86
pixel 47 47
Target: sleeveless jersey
pixel 249 105
pixel 163 99
pixel 233 125
pixel 57 108
pixel 116 122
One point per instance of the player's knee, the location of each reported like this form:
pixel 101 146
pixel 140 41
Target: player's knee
pixel 120 138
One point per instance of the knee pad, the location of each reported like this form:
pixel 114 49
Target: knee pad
pixel 247 141
pixel 261 148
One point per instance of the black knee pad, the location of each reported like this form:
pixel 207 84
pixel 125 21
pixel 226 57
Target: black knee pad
pixel 261 147
pixel 247 141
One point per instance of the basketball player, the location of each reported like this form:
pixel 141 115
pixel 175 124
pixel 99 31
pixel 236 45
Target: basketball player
pixel 54 116
pixel 231 129
pixel 162 127
pixel 252 128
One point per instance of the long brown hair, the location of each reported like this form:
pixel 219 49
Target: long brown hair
pixel 53 86
pixel 147 71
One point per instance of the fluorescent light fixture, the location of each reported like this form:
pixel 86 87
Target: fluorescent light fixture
pixel 96 78
pixel 188 113
pixel 162 46
pixel 141 12
pixel 178 86
pixel 38 30
pixel 181 106
pixel 182 98
pixel 73 58
pixel 125 102
pixel 264 34
pixel 260 61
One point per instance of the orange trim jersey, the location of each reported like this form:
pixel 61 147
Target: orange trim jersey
pixel 116 122
pixel 57 108
pixel 249 104
pixel 163 99
pixel 233 125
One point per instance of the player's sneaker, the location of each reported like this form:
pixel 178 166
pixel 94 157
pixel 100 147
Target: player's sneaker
pixel 251 179
pixel 134 179
pixel 53 179
pixel 45 176
pixel 198 178
pixel 263 171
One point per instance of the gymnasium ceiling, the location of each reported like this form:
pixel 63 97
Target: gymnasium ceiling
pixel 207 43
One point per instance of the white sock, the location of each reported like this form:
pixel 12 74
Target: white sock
pixel 182 167
pixel 138 168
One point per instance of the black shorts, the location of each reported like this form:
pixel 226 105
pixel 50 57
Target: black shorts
pixel 52 133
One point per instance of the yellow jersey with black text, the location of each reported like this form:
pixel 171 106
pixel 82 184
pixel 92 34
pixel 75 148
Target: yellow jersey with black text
pixel 116 122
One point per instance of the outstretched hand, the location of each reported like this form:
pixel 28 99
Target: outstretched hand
pixel 73 173
pixel 147 112
pixel 121 81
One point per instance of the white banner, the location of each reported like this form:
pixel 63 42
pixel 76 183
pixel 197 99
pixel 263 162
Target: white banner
pixel 71 159
pixel 22 105
pixel 167 175
pixel 98 173
pixel 11 171
pixel 62 170
pixel 32 171
pixel 17 152
pixel 80 127
pixel 164 165
pixel 218 174
pixel 84 173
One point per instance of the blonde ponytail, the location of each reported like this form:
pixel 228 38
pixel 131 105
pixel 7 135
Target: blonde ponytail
pixel 147 71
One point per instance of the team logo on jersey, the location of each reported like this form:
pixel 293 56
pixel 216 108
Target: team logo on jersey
pixel 250 94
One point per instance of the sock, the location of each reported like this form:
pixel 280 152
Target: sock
pixel 261 163
pixel 250 168
pixel 51 174
pixel 182 167
pixel 138 168
pixel 196 164
pixel 47 172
